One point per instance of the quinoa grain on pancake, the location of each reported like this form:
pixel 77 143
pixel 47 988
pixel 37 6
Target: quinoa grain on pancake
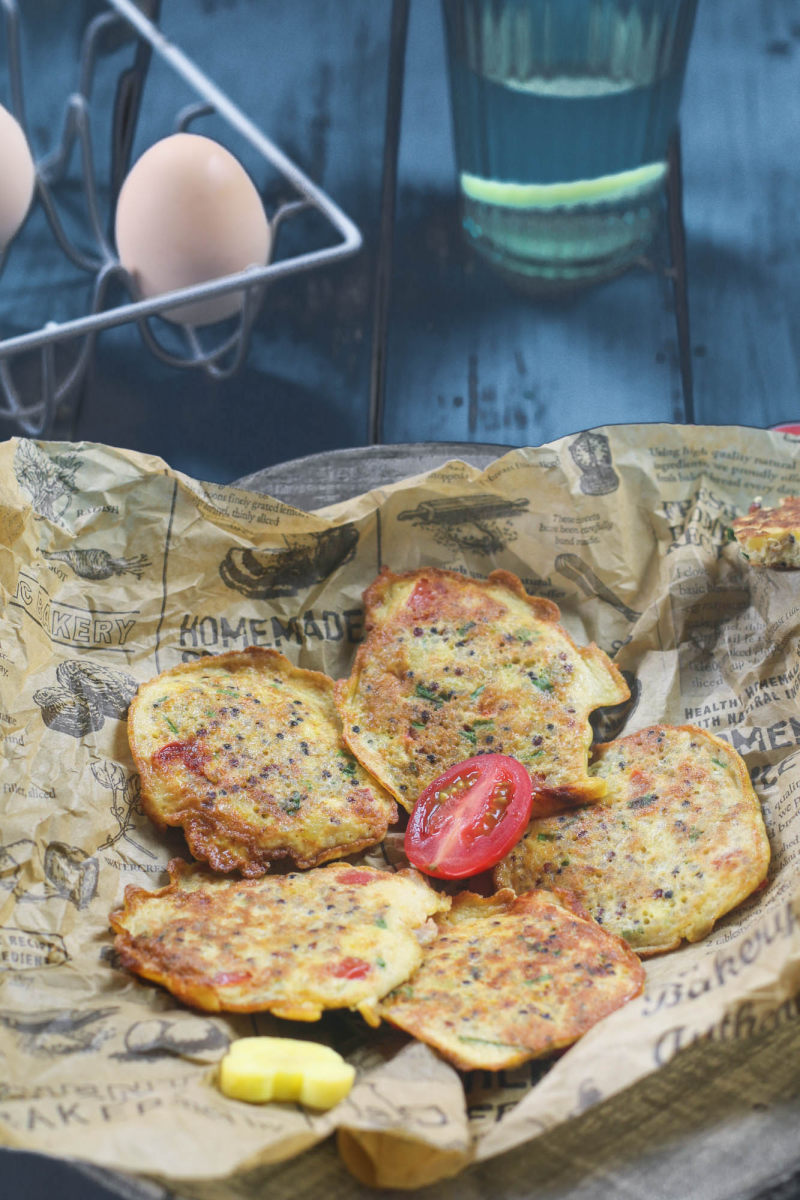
pixel 511 978
pixel 244 751
pixel 333 937
pixel 452 667
pixel 770 537
pixel 677 841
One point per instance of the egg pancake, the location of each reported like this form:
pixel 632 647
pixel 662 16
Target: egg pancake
pixel 511 978
pixel 770 537
pixel 333 937
pixel 676 842
pixel 244 751
pixel 452 667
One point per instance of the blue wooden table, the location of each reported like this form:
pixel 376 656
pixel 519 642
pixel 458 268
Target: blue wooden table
pixel 414 340
pixel 470 359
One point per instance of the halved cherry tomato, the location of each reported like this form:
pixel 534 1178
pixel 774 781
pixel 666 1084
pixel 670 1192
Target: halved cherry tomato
pixel 470 817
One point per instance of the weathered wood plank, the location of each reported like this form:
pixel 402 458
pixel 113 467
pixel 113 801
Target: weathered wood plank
pixel 741 164
pixel 469 357
pixel 316 83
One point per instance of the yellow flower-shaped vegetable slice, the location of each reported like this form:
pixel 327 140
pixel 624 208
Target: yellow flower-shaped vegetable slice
pixel 259 1069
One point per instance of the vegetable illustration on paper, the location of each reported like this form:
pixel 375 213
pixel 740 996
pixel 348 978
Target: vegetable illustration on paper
pixel 126 803
pixel 95 563
pixel 159 1037
pixel 48 481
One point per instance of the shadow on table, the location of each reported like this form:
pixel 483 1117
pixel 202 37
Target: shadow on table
pixel 473 358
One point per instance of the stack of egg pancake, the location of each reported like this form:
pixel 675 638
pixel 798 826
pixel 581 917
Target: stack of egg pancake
pixel 770 537
pixel 634 846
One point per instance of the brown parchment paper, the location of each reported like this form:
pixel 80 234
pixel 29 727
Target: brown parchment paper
pixel 114 567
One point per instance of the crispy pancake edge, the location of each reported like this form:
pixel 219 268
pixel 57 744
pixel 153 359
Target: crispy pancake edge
pixel 191 986
pixel 504 876
pixel 469 907
pixel 209 837
pixel 595 659
pixel 770 537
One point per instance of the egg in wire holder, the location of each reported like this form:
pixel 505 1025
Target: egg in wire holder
pixel 217 355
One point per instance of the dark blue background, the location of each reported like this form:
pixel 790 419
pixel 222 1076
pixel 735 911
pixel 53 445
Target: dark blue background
pixel 465 356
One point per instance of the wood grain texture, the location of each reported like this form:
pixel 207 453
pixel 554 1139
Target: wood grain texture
pixel 741 162
pixel 314 82
pixel 469 357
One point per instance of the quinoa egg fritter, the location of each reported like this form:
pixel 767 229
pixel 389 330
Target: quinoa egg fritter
pixel 677 841
pixel 511 978
pixel 244 751
pixel 452 667
pixel 336 936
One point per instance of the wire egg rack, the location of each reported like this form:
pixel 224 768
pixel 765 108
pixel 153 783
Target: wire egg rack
pixel 219 350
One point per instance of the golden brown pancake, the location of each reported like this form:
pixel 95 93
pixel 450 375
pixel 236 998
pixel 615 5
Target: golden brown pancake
pixel 676 842
pixel 244 750
pixel 770 537
pixel 452 667
pixel 333 937
pixel 511 978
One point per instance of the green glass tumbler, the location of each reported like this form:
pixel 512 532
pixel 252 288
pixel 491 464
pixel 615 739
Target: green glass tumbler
pixel 562 115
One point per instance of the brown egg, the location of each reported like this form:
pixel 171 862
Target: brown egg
pixel 17 176
pixel 188 213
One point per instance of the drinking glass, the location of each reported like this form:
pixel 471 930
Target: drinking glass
pixel 562 115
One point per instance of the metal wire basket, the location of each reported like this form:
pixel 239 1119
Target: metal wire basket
pixel 219 351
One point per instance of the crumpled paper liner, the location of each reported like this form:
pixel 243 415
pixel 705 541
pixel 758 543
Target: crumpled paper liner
pixel 113 567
